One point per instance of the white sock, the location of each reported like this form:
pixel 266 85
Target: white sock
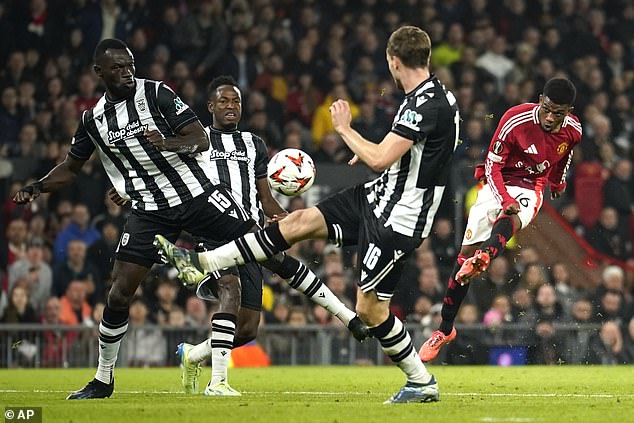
pixel 109 342
pixel 309 284
pixel 200 352
pixel 397 344
pixel 223 330
pixel 247 249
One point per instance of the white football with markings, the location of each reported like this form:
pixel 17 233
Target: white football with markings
pixel 291 172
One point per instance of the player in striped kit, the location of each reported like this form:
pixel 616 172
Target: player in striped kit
pixel 386 218
pixel 150 144
pixel 238 161
pixel 531 148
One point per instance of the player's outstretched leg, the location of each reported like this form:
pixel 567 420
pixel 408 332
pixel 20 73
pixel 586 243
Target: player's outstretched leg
pixel 190 369
pixel 301 278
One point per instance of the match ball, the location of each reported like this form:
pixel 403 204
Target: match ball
pixel 291 172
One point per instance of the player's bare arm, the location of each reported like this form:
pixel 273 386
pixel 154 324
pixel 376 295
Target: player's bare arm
pixel 271 207
pixel 190 139
pixel 377 156
pixel 61 175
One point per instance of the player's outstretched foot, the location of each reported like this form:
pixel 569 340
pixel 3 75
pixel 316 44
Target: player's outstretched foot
pixel 473 266
pixel 221 389
pixel 414 392
pixel 436 341
pixel 190 371
pixel 181 259
pixel 358 329
pixel 94 389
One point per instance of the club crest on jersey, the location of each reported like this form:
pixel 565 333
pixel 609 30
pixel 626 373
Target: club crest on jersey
pixel 140 104
pixel 498 147
pixel 561 148
pixel 132 129
pixel 411 119
pixel 180 106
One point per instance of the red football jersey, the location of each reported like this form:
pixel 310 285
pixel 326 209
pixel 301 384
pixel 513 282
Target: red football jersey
pixel 523 154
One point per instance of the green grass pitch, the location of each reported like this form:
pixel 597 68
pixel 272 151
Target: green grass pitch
pixel 335 394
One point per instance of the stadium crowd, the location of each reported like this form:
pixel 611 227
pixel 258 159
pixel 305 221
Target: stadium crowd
pixel 291 60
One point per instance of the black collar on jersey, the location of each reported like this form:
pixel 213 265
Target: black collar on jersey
pixel 222 131
pixel 431 76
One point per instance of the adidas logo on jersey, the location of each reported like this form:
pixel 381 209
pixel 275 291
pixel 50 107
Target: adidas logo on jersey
pixel 531 150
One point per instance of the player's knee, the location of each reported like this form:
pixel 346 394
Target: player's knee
pixel 302 224
pixel 118 299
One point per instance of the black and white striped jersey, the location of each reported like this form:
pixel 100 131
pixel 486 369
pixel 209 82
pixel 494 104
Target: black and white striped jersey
pixel 237 160
pixel 407 195
pixel 151 179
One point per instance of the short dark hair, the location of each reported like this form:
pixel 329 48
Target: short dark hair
pixel 219 81
pixel 410 44
pixel 108 43
pixel 560 91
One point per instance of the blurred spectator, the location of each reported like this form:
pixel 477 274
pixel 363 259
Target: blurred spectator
pixel 331 150
pixel 322 124
pixel 496 282
pixel 196 312
pixel 240 63
pixel 74 310
pixel 79 228
pixel 144 346
pixel 619 190
pixel 76 267
pixel 608 237
pixel 164 303
pixel 578 341
pixel 567 291
pixel 495 62
pixel 606 347
pixel 302 101
pixel 19 310
pixel 34 274
pixel 55 342
pixel 442 243
pixel 13 248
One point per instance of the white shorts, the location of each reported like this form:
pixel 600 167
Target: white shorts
pixel 487 209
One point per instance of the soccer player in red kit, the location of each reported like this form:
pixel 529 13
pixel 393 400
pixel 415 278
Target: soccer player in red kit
pixel 532 146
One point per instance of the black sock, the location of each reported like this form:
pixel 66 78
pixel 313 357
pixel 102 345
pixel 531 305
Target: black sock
pixel 273 234
pixel 454 296
pixel 503 229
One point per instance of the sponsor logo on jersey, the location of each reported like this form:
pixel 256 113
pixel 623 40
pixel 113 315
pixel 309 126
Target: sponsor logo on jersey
pixel 180 106
pixel 531 150
pixel 411 119
pixel 240 156
pixel 561 148
pixel 132 129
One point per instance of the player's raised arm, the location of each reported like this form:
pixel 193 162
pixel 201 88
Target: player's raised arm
pixel 61 175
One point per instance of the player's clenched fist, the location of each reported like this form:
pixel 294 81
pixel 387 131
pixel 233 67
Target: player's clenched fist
pixel 340 114
pixel 156 139
pixel 116 198
pixel 28 193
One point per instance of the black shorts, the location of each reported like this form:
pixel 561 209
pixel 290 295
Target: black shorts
pixel 381 252
pixel 220 220
pixel 250 275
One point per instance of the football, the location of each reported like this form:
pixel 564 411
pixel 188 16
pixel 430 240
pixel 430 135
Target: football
pixel 291 172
